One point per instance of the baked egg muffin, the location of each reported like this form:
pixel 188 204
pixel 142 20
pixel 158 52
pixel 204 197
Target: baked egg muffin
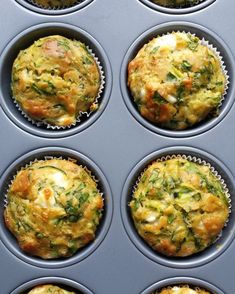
pixel 179 207
pixel 50 289
pixel 55 80
pixel 176 81
pixel 55 3
pixel 54 208
pixel 181 290
pixel 177 3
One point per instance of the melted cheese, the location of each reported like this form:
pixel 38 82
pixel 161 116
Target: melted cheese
pixel 168 41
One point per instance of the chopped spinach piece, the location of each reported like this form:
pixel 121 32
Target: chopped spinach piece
pixel 170 76
pixel 185 65
pixel 158 98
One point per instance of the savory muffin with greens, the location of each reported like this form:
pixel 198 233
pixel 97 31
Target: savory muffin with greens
pixel 55 3
pixel 55 80
pixel 50 289
pixel 179 207
pixel 177 3
pixel 54 208
pixel 181 290
pixel 176 81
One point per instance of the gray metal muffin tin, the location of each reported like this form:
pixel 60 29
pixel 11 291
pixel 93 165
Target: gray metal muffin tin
pixel 116 144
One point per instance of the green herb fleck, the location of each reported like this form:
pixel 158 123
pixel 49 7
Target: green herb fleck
pixel 186 66
pixel 170 76
pixel 158 98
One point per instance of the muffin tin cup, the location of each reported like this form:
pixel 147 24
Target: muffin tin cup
pixel 59 281
pixel 207 38
pixel 57 152
pixel 182 281
pixel 24 40
pixel 201 4
pixel 195 155
pixel 53 11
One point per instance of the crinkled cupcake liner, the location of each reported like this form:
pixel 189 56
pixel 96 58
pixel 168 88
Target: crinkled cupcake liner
pixel 217 53
pixel 55 7
pixel 199 161
pixel 180 6
pixel 81 113
pixel 42 160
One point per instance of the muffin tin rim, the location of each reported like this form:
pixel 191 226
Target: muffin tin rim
pixel 54 12
pixel 6 102
pixel 161 29
pixel 181 280
pixel 130 229
pixel 50 280
pixel 177 11
pixel 6 236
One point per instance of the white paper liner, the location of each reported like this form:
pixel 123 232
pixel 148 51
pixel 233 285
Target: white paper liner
pixel 179 6
pixel 217 53
pixel 55 7
pixel 81 114
pixel 49 158
pixel 198 161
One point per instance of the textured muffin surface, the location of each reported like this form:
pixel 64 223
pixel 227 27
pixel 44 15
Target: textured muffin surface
pixel 55 3
pixel 49 289
pixel 179 207
pixel 55 79
pixel 181 290
pixel 54 208
pixel 176 3
pixel 176 81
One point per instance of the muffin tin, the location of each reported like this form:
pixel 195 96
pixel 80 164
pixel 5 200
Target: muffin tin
pixel 116 144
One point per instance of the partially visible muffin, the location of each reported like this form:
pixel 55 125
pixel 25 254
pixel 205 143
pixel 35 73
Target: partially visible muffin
pixel 181 290
pixel 50 289
pixel 179 207
pixel 55 3
pixel 55 79
pixel 54 208
pixel 176 81
pixel 177 3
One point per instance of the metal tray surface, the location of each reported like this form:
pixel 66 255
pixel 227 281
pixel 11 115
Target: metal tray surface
pixel 116 144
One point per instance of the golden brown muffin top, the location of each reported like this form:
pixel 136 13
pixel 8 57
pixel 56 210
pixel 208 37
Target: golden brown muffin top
pixel 55 80
pixel 181 290
pixel 179 207
pixel 54 208
pixel 49 289
pixel 177 3
pixel 55 3
pixel 176 81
